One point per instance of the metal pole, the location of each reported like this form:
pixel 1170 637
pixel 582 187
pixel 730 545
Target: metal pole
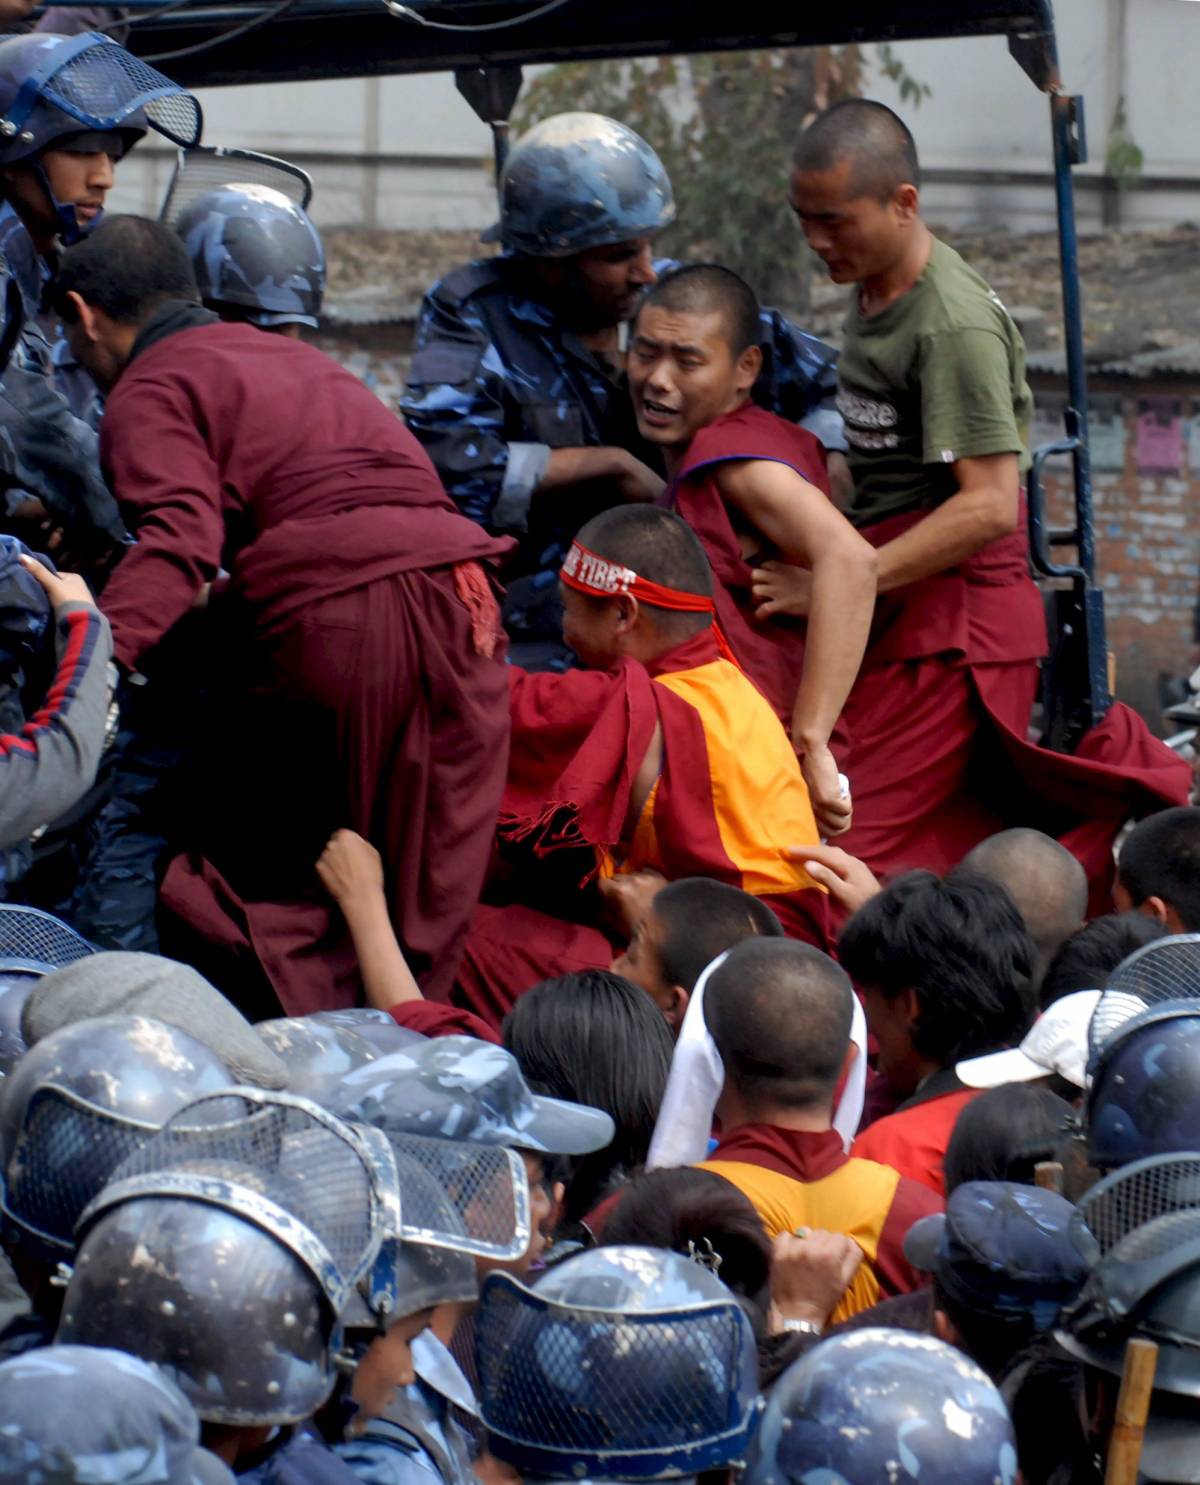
pixel 1069 148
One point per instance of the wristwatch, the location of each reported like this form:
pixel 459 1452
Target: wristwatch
pixel 802 1327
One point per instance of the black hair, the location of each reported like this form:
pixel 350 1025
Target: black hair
pixel 877 142
pixel 702 288
pixel 960 943
pixel 660 547
pixel 1047 883
pixel 780 1013
pixel 127 268
pixel 1091 954
pixel 696 1211
pixel 700 919
pixel 1161 858
pixel 595 1038
pixel 1004 1133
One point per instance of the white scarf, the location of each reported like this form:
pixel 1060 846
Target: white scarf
pixel 697 1076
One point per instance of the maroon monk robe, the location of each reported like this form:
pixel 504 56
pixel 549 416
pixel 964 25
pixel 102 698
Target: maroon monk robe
pixel 938 755
pixel 363 679
pixel 771 652
pixel 577 742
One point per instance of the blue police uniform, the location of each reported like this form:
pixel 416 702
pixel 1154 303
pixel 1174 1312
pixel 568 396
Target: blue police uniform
pixel 48 452
pixel 419 1440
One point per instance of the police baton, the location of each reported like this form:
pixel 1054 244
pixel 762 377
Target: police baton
pixel 1133 1408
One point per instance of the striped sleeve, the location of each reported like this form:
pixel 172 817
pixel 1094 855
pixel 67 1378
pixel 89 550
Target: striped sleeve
pixel 47 766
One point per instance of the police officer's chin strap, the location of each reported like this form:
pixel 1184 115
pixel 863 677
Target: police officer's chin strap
pixel 70 229
pixel 697 1076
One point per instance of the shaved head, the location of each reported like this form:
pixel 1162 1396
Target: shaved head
pixel 708 288
pixel 660 547
pixel 1046 882
pixel 874 141
pixel 780 1013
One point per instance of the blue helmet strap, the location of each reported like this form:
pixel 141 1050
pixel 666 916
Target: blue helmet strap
pixel 69 228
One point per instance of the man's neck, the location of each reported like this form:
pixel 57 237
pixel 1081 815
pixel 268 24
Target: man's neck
pixel 674 454
pixel 880 290
pixel 811 1120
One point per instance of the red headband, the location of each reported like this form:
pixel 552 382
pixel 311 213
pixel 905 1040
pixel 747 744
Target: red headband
pixel 587 573
pixel 584 571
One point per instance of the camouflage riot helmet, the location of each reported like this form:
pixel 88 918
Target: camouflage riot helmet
pixel 227 1246
pixel 622 1363
pixel 255 252
pixel 1139 1229
pixel 78 1104
pixel 86 91
pixel 878 1404
pixel 577 181
pixel 32 944
pixel 78 1415
pixel 318 1050
pixel 229 1310
pixel 460 1088
pixel 1144 1095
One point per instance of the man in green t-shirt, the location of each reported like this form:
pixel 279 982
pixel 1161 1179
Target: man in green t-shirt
pixel 932 390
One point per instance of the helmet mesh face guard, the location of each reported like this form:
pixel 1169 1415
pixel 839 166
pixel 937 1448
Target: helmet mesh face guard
pixel 67 1151
pixel 455 1202
pixel 204 167
pixel 95 80
pixel 1134 1209
pixel 568 1391
pixel 34 940
pixel 283 1163
pixel 477 1201
pixel 79 1103
pixel 1166 970
pixel 1142 1226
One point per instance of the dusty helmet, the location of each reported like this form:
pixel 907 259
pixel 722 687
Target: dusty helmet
pixel 580 180
pixel 255 249
pixel 621 1363
pixel 878 1404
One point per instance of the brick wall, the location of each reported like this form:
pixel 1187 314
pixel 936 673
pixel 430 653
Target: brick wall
pixel 1147 502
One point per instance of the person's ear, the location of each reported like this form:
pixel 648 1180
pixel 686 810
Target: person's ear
pixel 749 364
pixel 86 316
pixel 944 1328
pixel 910 1005
pixel 676 1007
pixel 1161 911
pixel 907 203
pixel 627 613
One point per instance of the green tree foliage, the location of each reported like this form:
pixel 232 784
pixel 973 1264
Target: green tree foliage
pixel 725 126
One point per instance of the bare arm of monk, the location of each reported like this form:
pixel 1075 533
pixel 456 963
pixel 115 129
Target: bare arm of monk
pixel 986 507
pixel 801 523
pixel 351 871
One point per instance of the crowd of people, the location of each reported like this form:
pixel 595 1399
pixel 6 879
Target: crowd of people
pixel 538 938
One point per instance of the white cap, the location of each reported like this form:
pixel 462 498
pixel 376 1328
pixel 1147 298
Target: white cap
pixel 1056 1043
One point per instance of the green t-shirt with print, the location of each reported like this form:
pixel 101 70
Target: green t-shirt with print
pixel 937 376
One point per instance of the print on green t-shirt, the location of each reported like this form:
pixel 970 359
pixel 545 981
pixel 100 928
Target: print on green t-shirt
pixel 937 376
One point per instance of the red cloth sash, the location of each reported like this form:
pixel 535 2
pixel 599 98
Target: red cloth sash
pixel 986 609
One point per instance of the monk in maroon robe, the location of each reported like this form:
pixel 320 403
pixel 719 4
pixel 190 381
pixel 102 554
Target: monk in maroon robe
pixel 753 486
pixel 360 659
pixel 933 393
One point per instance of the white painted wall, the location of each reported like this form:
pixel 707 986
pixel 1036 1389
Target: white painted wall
pixel 984 114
